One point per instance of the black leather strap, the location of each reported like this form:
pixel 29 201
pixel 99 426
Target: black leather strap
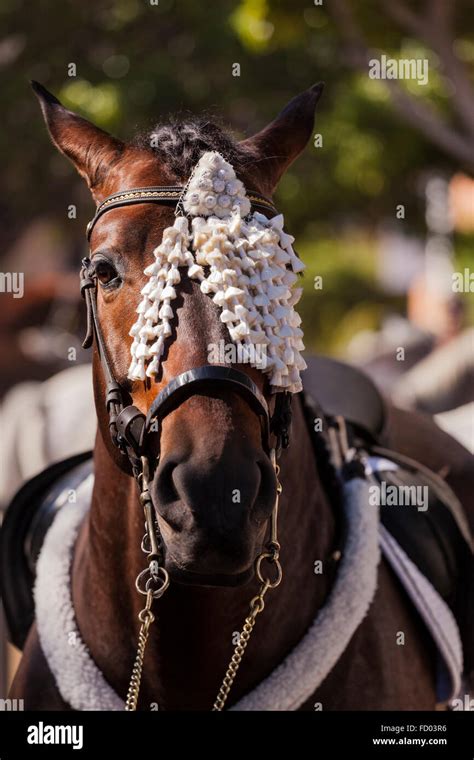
pixel 203 378
pixel 123 434
pixel 165 195
pixel 280 422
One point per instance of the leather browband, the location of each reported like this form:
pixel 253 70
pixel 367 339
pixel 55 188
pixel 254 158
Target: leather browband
pixel 163 194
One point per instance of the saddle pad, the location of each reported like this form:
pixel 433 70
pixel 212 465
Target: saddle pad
pixel 25 524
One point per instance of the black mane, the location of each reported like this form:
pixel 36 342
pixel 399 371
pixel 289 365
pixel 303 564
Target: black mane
pixel 180 143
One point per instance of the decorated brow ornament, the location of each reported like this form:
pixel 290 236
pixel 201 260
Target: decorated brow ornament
pixel 251 270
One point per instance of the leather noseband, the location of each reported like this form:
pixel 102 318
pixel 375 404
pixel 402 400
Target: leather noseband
pixel 203 379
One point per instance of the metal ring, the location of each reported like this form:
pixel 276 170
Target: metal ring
pixel 258 570
pixel 257 605
pixel 138 581
pixel 162 578
pixel 146 616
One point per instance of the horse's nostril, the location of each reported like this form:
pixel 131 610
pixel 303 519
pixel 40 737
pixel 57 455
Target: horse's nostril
pixel 212 508
pixel 215 493
pixel 164 486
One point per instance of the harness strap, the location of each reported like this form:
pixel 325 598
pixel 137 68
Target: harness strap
pixel 122 435
pixel 194 380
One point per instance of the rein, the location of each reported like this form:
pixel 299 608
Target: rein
pixel 130 430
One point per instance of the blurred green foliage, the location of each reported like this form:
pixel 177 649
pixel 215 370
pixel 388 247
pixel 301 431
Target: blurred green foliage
pixel 137 62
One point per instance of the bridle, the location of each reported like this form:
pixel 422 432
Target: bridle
pixel 130 431
pixel 128 426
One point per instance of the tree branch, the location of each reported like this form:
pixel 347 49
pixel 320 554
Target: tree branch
pixel 435 29
pixel 414 111
pixel 405 17
pixel 421 116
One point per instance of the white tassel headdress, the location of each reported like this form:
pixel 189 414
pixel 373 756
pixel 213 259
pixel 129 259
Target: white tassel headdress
pixel 252 269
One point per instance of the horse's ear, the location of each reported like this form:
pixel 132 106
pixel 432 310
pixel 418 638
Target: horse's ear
pixel 91 150
pixel 277 145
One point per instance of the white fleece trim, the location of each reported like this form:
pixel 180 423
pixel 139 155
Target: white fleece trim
pixel 80 682
pixel 83 686
pixel 306 667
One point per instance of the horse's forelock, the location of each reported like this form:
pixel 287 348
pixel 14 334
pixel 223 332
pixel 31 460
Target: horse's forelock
pixel 180 143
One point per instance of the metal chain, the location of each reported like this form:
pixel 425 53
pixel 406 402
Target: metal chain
pixel 146 618
pixel 152 582
pixel 158 581
pixel 257 604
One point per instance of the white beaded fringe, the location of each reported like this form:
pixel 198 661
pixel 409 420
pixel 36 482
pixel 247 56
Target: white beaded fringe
pixel 252 269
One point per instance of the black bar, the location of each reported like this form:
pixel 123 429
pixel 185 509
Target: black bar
pixel 315 734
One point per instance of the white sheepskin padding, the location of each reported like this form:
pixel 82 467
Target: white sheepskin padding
pixel 294 681
pixel 81 683
pixel 251 270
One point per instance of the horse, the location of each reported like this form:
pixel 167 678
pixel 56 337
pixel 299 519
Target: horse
pixel 210 444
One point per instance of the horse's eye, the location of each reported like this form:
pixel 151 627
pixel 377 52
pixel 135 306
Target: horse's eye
pixel 106 272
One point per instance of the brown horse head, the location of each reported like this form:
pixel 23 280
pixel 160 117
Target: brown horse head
pixel 214 486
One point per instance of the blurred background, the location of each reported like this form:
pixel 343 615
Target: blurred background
pixel 381 202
